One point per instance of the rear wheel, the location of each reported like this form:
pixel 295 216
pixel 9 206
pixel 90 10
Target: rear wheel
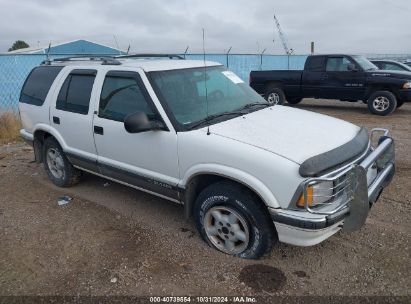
pixel 58 168
pixel 274 96
pixel 230 219
pixel 382 103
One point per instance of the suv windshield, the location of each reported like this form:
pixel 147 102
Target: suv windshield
pixel 184 92
pixel 365 64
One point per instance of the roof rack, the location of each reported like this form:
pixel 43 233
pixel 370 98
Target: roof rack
pixel 170 56
pixel 105 60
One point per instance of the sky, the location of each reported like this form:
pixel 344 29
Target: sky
pixel 344 26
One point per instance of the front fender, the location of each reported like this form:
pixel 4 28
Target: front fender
pixel 239 176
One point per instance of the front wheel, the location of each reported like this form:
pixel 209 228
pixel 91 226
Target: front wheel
pixel 274 96
pixel 230 219
pixel 382 103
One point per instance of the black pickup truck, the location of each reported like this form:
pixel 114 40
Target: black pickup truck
pixel 343 77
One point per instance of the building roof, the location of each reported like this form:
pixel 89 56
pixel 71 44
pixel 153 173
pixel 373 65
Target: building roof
pixel 78 47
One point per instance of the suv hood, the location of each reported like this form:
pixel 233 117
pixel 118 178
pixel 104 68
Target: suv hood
pixel 291 133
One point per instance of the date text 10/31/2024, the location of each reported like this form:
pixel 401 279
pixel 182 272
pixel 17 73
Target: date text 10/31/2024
pixel 188 299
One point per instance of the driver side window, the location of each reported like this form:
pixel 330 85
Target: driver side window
pixel 337 64
pixel 121 96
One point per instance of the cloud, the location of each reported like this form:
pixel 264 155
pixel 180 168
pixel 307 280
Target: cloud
pixel 350 26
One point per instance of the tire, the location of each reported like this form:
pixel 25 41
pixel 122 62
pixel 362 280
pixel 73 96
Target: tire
pixel 382 103
pixel 231 219
pixel 400 103
pixel 274 96
pixel 294 100
pixel 58 168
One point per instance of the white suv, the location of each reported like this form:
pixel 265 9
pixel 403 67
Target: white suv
pixel 194 133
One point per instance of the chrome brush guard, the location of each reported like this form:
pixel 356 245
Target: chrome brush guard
pixel 350 189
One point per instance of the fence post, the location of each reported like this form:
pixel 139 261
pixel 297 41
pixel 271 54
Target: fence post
pixel 261 59
pixel 185 52
pixel 228 52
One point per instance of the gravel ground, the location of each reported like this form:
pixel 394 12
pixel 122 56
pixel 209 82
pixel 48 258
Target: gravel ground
pixel 114 240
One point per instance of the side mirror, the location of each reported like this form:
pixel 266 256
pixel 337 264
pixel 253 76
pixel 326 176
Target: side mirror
pixel 138 122
pixel 351 67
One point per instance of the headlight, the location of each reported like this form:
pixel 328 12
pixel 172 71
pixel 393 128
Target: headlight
pixel 406 85
pixel 317 193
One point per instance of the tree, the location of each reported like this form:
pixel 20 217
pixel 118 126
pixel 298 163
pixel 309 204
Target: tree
pixel 19 44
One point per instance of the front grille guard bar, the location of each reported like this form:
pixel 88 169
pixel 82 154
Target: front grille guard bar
pixel 384 150
pixel 349 176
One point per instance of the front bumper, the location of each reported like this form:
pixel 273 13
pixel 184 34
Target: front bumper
pixel 310 226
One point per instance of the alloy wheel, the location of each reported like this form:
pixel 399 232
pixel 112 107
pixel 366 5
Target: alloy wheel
pixel 381 103
pixel 55 163
pixel 273 98
pixel 227 229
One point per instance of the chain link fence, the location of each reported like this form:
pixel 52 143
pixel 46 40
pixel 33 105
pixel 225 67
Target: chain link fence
pixel 15 68
pixel 13 72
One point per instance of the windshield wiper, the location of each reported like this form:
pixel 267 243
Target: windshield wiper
pixel 253 104
pixel 238 112
pixel 214 116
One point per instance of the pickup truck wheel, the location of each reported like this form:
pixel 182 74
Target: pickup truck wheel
pixel 230 219
pixel 294 100
pixel 275 96
pixel 382 103
pixel 58 168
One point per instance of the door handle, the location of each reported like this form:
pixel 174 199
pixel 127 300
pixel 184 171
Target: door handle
pixel 56 120
pixel 98 130
pixel 323 77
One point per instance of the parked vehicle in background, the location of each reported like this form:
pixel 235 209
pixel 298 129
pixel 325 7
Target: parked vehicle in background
pixel 391 65
pixel 194 133
pixel 342 77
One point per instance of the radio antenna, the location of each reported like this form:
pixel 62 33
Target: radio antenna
pixel 205 81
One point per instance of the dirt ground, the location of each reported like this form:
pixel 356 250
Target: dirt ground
pixel 114 240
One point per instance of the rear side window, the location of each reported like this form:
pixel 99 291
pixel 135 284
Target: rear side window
pixel 123 94
pixel 316 64
pixel 75 93
pixel 38 83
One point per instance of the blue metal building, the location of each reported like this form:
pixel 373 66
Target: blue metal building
pixel 77 47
